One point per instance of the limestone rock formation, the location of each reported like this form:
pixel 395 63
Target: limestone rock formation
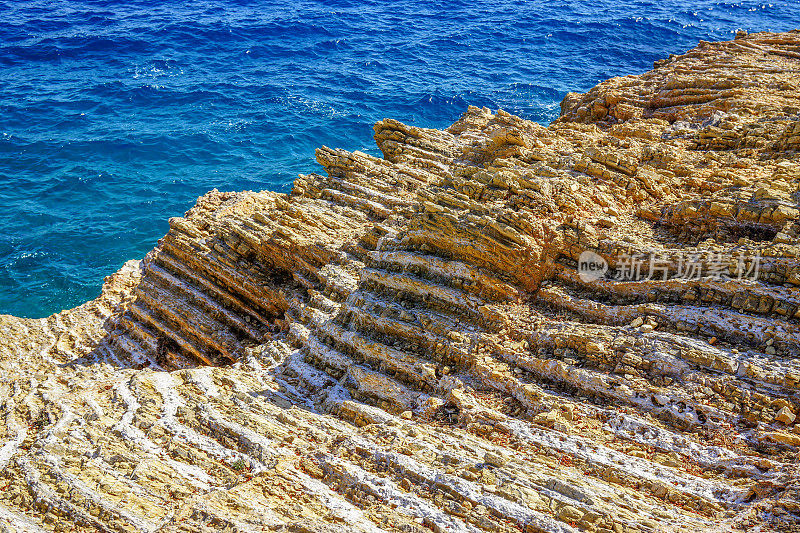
pixel 409 343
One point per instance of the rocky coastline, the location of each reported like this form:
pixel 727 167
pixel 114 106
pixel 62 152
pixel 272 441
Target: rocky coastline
pixel 422 342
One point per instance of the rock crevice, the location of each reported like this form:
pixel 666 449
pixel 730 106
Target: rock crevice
pixel 408 343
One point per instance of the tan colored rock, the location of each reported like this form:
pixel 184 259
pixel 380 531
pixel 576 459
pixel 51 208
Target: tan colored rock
pixel 495 459
pixel 784 438
pixel 407 342
pixel 785 416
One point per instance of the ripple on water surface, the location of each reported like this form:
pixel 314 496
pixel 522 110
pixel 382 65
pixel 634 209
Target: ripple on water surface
pixel 116 116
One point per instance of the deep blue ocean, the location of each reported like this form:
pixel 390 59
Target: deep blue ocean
pixel 116 115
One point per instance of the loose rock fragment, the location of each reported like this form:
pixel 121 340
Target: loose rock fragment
pixel 419 342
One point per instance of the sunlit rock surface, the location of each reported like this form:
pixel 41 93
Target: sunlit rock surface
pixel 407 344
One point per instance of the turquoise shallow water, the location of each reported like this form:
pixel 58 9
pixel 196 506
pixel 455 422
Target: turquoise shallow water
pixel 115 116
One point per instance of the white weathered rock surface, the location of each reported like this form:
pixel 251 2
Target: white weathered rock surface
pixel 405 343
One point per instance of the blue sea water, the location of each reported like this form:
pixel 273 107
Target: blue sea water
pixel 116 115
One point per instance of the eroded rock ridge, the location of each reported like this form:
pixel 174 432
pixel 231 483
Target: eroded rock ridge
pixel 407 343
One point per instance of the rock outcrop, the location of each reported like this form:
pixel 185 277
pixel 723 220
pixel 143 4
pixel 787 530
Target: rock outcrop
pixel 411 343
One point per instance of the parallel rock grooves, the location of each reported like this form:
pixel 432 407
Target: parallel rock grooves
pixel 406 343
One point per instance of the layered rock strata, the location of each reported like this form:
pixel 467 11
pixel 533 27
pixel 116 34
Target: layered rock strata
pixel 407 344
